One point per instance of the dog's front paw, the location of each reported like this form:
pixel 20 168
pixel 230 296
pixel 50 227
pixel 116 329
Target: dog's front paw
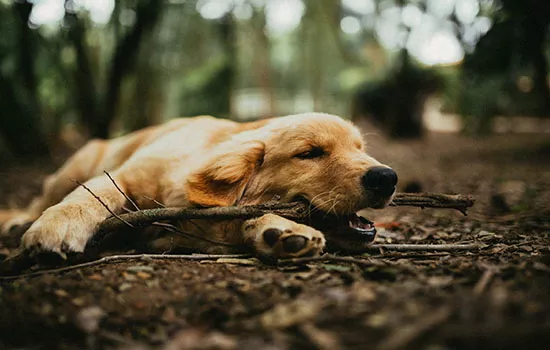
pixel 62 228
pixel 278 237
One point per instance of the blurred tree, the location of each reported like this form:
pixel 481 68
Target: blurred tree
pixel 531 18
pixel 20 107
pixel 514 47
pixel 262 60
pixel 98 110
pixel 323 52
pixel 208 84
pixel 396 102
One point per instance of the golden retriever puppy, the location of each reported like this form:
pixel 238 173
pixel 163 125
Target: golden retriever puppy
pixel 205 162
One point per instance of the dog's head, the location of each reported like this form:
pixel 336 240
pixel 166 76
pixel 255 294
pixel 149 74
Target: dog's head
pixel 315 157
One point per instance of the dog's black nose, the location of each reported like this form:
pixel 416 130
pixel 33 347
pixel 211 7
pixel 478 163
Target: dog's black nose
pixel 381 180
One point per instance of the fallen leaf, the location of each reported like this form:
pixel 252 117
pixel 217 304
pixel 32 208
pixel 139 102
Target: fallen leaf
pixel 363 292
pixel 61 293
pixel 289 314
pixel 140 268
pixel 124 286
pixel 143 275
pixel 440 281
pixel 387 225
pixel 129 277
pixel 169 315
pixel 251 262
pixel 321 338
pixel 78 301
pixel 333 267
pixel 196 339
pixel 96 277
pixel 377 320
pixel 88 318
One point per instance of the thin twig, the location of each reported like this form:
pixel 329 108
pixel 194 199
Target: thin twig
pixel 400 337
pixel 154 201
pixel 166 226
pixel 485 280
pixel 330 258
pixel 116 258
pixel 118 217
pixel 175 229
pixel 120 190
pixel 437 247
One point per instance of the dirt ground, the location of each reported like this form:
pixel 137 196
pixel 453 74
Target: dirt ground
pixel 496 297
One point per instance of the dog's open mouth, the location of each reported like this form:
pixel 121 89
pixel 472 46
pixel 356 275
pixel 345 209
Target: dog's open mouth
pixel 353 228
pixel 361 228
pixel 345 234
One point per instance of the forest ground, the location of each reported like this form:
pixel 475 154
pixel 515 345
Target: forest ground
pixel 497 297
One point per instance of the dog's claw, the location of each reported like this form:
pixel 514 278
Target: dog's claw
pixel 62 254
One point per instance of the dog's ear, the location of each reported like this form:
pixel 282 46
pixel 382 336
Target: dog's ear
pixel 222 179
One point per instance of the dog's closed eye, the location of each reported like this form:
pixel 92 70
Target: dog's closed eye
pixel 314 152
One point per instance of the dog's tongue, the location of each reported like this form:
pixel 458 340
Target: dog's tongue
pixel 362 226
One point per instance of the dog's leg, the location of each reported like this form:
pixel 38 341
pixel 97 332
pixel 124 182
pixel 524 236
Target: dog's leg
pixel 274 236
pixel 80 167
pixel 68 225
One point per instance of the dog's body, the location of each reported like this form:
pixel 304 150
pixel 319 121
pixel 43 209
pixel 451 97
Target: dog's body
pixel 203 162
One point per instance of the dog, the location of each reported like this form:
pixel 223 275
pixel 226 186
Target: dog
pixel 205 162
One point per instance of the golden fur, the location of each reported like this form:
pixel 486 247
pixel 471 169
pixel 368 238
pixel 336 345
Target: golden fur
pixel 202 162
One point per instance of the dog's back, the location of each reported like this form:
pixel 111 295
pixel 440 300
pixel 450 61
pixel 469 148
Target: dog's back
pixel 98 156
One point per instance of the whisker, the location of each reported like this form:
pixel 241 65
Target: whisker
pixel 333 207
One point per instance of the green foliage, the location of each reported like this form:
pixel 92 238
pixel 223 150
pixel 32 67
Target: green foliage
pixel 514 48
pixel 479 102
pixel 155 60
pixel 396 100
pixel 204 90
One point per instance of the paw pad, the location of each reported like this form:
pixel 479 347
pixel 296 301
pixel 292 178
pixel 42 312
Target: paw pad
pixel 294 244
pixel 271 236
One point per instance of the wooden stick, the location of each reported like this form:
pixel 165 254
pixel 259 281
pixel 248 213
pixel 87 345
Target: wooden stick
pixel 167 226
pixel 293 211
pixel 330 258
pixel 117 258
pixel 297 211
pixel 437 247
pixel 434 200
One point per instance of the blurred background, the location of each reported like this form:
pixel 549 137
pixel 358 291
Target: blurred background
pixel 71 70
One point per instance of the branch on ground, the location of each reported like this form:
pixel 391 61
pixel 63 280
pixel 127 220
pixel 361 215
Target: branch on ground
pixel 293 211
pixel 434 200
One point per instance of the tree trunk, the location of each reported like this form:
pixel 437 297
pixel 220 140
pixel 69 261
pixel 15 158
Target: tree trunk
pixel 405 117
pixel 18 125
pixel 538 31
pixel 27 52
pixel 86 98
pixel 124 61
pixel 227 78
pixel 263 63
pixel 19 106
